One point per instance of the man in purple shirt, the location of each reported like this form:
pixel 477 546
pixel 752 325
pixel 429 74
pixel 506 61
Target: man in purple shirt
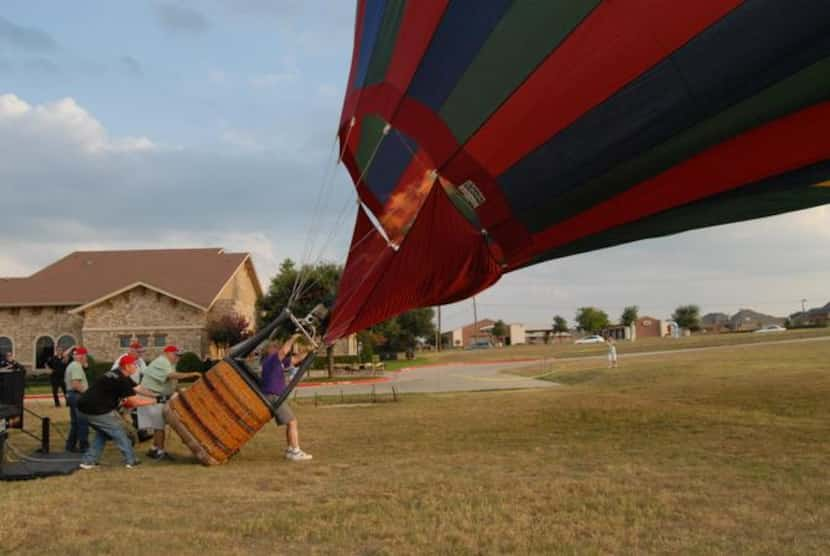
pixel 277 360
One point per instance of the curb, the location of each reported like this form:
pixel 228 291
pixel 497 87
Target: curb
pixel 34 397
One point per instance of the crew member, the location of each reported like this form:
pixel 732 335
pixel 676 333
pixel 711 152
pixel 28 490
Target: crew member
pixel 57 364
pixel 98 405
pixel 160 378
pixel 137 351
pixel 76 385
pixel 279 359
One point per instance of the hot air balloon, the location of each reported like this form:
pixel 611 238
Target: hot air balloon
pixel 486 136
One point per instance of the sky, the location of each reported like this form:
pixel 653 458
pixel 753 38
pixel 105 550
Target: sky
pixel 155 124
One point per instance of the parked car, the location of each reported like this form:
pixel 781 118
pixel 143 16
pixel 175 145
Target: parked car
pixel 594 339
pixel 480 344
pixel 771 328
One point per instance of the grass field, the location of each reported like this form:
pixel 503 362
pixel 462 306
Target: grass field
pixel 569 349
pixel 697 453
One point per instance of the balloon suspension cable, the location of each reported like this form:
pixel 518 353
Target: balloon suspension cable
pixel 320 205
pixel 304 270
pixel 303 287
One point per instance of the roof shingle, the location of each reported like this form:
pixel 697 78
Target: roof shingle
pixel 196 275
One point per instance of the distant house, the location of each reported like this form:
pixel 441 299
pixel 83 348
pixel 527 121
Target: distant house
pixel 747 320
pixel 714 322
pixel 107 299
pixel 817 316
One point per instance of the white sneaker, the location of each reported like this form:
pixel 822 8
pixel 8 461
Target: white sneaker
pixel 297 455
pixel 88 465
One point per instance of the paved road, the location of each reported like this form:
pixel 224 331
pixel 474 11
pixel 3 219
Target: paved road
pixel 443 378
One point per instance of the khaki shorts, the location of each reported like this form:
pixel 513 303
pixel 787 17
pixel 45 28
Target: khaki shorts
pixel 283 415
pixel 151 417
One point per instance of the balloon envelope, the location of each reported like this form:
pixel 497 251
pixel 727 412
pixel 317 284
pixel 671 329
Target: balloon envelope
pixel 484 137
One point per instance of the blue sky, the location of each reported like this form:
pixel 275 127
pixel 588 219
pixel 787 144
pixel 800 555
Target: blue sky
pixel 211 123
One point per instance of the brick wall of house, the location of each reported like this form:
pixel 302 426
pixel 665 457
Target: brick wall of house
pixel 146 313
pixel 239 295
pixel 25 325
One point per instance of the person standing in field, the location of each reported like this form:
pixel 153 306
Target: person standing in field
pixel 76 384
pixel 160 378
pixel 57 364
pixel 98 406
pixel 612 353
pixel 137 351
pixel 278 358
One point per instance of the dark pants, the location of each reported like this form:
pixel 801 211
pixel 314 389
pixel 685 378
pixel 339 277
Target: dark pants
pixel 108 427
pixel 78 426
pixel 58 384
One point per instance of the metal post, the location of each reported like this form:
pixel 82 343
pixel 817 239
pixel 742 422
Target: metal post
pixel 44 435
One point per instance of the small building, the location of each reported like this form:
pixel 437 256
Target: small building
pixel 464 336
pixel 517 335
pixel 617 331
pixel 107 299
pixel 714 322
pixel 648 327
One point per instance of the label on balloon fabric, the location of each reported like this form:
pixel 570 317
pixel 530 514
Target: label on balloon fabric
pixel 471 194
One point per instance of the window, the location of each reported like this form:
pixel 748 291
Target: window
pixel 6 346
pixel 44 349
pixel 66 341
pixel 160 340
pixel 143 339
pixel 124 341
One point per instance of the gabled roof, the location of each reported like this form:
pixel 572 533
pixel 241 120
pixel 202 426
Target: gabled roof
pixel 196 276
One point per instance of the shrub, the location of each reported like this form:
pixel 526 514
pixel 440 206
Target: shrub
pixel 190 362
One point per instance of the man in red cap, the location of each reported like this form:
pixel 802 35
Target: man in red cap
pixel 99 403
pixel 76 385
pixel 136 350
pixel 160 378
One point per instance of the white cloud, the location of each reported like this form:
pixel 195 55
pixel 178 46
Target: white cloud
pixel 241 139
pixel 63 122
pixel 273 79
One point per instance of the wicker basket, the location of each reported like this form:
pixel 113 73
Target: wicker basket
pixel 218 414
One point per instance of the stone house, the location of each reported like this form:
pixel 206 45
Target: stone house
pixel 747 320
pixel 106 299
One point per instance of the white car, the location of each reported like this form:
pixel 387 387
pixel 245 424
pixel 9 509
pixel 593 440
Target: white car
pixel 770 328
pixel 591 340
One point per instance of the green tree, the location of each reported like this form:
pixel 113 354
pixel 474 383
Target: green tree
pixel 560 326
pixel 500 330
pixel 687 316
pixel 591 319
pixel 400 333
pixel 320 286
pixel 629 315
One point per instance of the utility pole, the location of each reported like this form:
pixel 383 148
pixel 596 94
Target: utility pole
pixel 803 306
pixel 438 332
pixel 475 320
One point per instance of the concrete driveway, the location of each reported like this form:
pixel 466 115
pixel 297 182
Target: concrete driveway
pixel 439 378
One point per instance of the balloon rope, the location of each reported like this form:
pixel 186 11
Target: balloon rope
pixel 313 231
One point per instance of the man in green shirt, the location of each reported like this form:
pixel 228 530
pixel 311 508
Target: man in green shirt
pixel 160 377
pixel 76 384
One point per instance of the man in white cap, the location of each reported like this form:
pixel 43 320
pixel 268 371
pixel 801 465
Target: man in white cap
pixel 136 350
pixel 160 377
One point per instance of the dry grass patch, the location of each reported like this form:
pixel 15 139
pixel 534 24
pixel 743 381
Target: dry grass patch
pixel 690 453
